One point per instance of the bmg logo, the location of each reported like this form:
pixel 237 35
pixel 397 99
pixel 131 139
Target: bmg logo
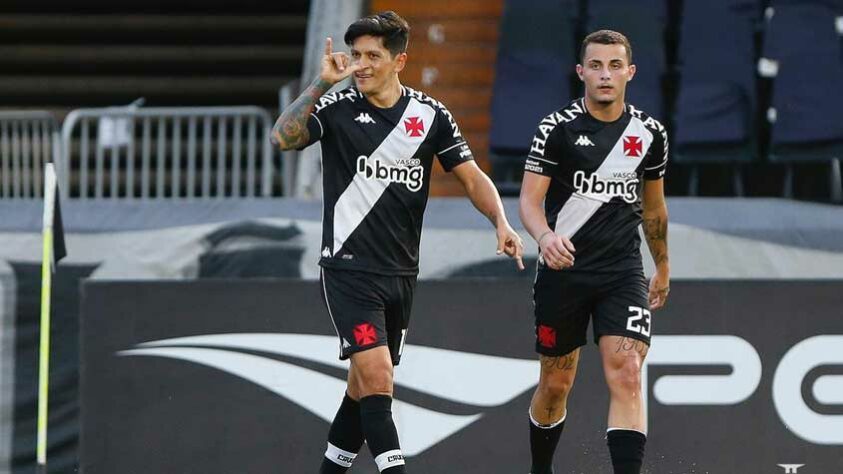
pixel 410 176
pixel 790 468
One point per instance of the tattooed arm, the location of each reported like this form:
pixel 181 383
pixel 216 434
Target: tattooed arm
pixel 655 230
pixel 290 130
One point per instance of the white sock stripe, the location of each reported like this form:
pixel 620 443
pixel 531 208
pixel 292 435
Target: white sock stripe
pixel 626 429
pixel 546 427
pixel 339 456
pixel 389 459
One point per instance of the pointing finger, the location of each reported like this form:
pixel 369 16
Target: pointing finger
pixel 328 46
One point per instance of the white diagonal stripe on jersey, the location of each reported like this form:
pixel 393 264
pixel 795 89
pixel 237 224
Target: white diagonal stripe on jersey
pixel 579 208
pixel 389 459
pixel 616 162
pixel 362 194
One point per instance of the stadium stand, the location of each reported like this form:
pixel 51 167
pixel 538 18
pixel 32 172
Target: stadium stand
pixel 644 23
pixel 542 57
pixel 451 57
pixel 58 55
pixel 474 56
pixel 716 106
pixel 801 44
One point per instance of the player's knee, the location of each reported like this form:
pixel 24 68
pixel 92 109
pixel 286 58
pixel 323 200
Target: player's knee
pixel 626 376
pixel 375 381
pixel 556 387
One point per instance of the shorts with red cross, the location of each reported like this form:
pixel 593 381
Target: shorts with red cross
pixel 368 309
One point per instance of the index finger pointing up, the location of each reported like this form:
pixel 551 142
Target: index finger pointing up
pixel 329 46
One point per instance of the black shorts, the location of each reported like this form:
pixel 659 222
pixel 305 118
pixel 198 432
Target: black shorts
pixel 368 310
pixel 565 301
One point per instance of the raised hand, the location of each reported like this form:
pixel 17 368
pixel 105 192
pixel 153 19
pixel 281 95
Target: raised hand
pixel 336 66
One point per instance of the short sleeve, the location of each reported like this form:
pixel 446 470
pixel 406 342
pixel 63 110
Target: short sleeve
pixel 656 163
pixel 545 152
pixel 451 147
pixel 318 123
pixel 315 129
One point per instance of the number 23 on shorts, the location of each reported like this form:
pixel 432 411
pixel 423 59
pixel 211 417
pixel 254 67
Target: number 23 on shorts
pixel 633 323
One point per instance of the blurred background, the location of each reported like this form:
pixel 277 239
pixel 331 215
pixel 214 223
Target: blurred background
pixel 749 89
pixel 183 222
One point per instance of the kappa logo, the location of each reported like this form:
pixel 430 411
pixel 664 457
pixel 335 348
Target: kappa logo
pixel 326 252
pixel 584 141
pixel 790 468
pixel 410 176
pixel 632 146
pixel 364 117
pixel 477 382
pixel 414 126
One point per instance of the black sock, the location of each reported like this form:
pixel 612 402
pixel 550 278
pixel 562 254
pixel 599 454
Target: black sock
pixel 627 450
pixel 381 435
pixel 344 438
pixel 543 441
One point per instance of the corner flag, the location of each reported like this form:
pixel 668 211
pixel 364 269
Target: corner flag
pixel 53 251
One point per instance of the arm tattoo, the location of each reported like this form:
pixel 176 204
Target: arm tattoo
pixel 655 229
pixel 290 130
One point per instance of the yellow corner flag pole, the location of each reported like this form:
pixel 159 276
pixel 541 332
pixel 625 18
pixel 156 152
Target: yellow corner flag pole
pixel 47 267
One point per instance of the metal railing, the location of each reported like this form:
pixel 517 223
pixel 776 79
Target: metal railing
pixel 168 152
pixel 290 158
pixel 28 139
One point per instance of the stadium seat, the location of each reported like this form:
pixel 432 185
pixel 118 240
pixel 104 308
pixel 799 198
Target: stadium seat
pixel 643 22
pixel 802 54
pixel 716 103
pixel 533 75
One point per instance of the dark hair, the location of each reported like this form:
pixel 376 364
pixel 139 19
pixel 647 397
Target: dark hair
pixel 606 37
pixel 394 31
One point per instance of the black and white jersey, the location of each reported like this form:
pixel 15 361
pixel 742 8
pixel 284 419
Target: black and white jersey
pixel 376 166
pixel 597 171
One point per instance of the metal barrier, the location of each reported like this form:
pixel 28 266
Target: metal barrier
pixel 185 152
pixel 289 158
pixel 28 139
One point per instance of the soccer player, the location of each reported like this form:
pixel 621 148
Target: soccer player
pixel 598 165
pixel 378 140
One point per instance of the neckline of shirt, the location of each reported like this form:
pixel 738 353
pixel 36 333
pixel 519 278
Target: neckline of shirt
pixel 603 122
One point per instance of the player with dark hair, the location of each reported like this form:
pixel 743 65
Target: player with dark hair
pixel 598 166
pixel 378 140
